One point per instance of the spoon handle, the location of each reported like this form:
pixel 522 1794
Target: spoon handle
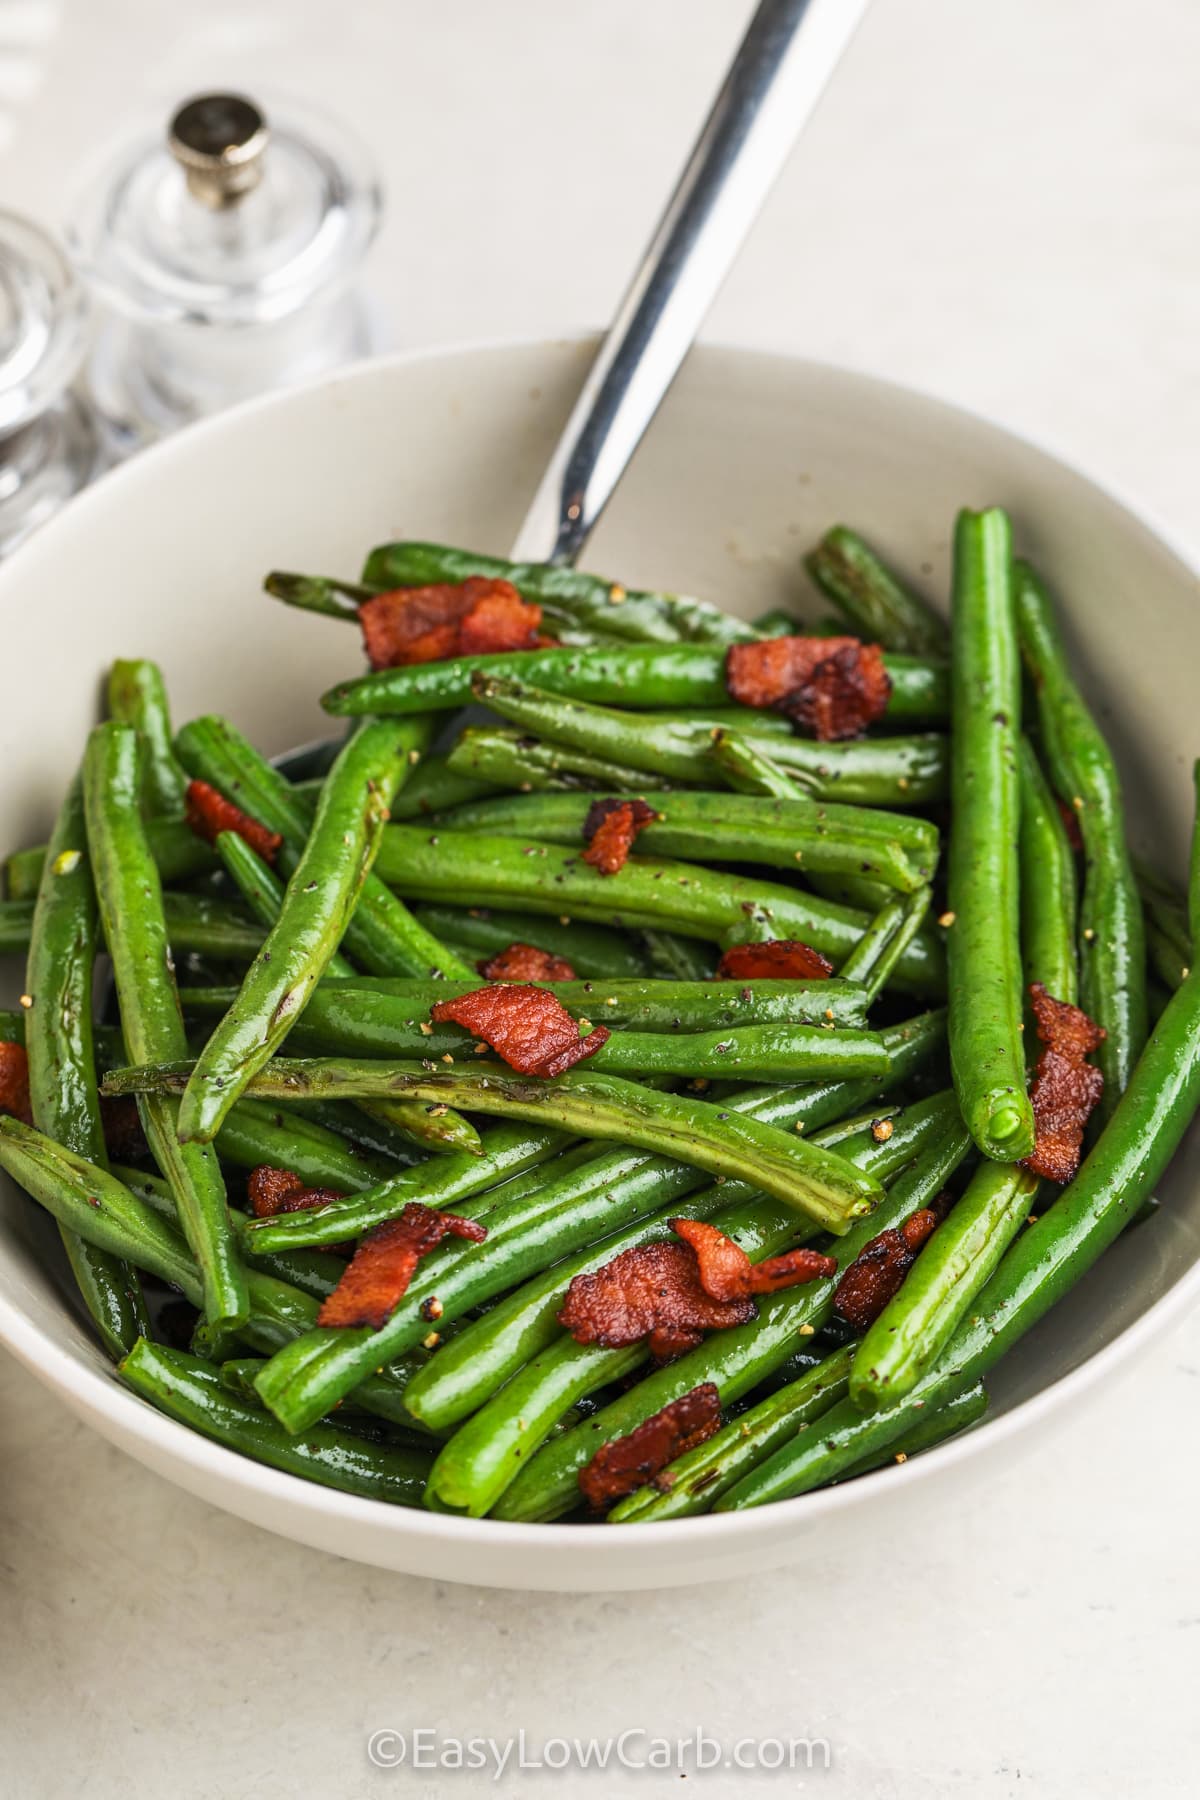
pixel 785 59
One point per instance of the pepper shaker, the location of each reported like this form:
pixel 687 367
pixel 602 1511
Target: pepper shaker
pixel 222 260
pixel 47 444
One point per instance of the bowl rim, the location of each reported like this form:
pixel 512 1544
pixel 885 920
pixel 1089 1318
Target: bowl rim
pixel 98 1395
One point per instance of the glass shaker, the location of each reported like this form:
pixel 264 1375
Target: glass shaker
pixel 223 260
pixel 47 444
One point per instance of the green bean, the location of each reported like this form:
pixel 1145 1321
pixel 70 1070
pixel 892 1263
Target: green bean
pixel 137 696
pixel 135 929
pixel 177 851
pixel 966 1409
pixel 444 1181
pixel 777 623
pixel 696 1479
pixel 303 1381
pixel 256 1133
pixel 434 787
pixel 690 816
pixel 1045 1262
pixel 884 942
pixel 784 834
pixel 264 894
pixel 886 611
pixel 1048 889
pixel 190 1391
pixel 674 958
pixel 323 594
pixel 321 896
pixel 594 952
pixel 23 871
pixel 238 1376
pixel 196 924
pixel 1112 973
pixel 586 600
pixel 736 1360
pixel 696 902
pixel 511 759
pixel 1167 913
pixel 912 1330
pixel 382 935
pixel 749 769
pixel 751 773
pixel 647 677
pixel 96 1205
pixel 485 1455
pixel 872 771
pixel 485 1353
pixel 373 1016
pixel 600 1106
pixel 89 1200
pixel 261 889
pixel 58 1036
pixel 310 1271
pixel 984 946
pixel 1165 957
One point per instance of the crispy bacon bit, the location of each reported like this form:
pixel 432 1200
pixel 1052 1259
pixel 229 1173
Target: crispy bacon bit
pixel 525 962
pixel 876 1274
pixel 610 828
pixel 782 959
pixel 209 813
pixel 1070 819
pixel 476 617
pixel 271 1191
pixel 14 1083
pixel 527 1026
pixel 652 1291
pixel 627 1463
pixel 726 1272
pixel 831 687
pixel 383 1265
pixel 1065 1088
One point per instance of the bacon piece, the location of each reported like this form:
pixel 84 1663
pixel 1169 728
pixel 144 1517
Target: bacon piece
pixel 726 1272
pixel 476 617
pixel 209 813
pixel 781 959
pixel 525 962
pixel 610 828
pixel 831 687
pixel 876 1274
pixel 1070 819
pixel 383 1265
pixel 1065 1088
pixel 271 1191
pixel 627 1463
pixel 14 1083
pixel 527 1026
pixel 651 1291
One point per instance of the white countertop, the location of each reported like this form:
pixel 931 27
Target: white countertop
pixel 997 203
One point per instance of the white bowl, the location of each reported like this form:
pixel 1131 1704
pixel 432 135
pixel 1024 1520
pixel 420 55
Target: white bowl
pixel 750 459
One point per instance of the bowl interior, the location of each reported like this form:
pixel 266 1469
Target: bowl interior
pixel 750 459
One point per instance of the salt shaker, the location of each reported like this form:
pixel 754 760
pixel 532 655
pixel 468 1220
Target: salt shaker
pixel 47 444
pixel 222 259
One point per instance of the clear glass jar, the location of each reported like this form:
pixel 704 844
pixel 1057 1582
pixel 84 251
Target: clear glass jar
pixel 222 260
pixel 47 443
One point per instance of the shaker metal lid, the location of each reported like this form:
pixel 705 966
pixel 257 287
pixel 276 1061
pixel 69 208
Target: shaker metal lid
pixel 219 141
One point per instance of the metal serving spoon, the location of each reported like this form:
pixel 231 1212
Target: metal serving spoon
pixel 779 73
